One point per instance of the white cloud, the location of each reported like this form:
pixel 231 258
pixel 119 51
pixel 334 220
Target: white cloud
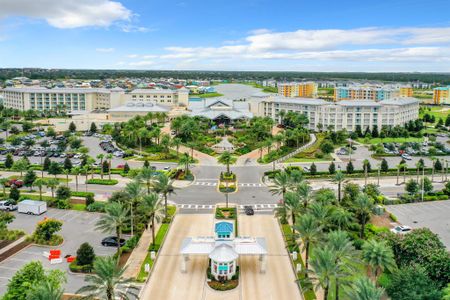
pixel 68 13
pixel 105 50
pixel 132 55
pixel 142 63
pixel 133 28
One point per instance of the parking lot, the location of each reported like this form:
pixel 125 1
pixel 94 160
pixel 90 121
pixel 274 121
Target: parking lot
pixel 432 215
pixel 78 227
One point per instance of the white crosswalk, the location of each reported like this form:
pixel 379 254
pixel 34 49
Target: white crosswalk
pixel 210 206
pixel 205 183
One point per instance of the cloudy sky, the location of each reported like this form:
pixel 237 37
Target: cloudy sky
pixel 298 35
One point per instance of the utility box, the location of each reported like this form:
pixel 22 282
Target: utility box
pixel 32 207
pixel 378 210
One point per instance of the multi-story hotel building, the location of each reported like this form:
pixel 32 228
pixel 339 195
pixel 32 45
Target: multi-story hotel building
pixel 374 93
pixel 298 89
pixel 344 114
pixel 87 99
pixel 441 95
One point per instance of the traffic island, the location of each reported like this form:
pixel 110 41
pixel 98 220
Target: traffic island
pixel 227 182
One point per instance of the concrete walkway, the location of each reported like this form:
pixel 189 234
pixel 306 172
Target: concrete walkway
pixel 13 244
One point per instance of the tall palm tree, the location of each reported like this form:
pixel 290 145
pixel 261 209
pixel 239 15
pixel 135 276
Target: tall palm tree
pixel 339 178
pixel 184 161
pixel 147 175
pixel 325 269
pixel 85 171
pixel 101 156
pixel 134 191
pixel 107 281
pixel 76 172
pixel 363 206
pixel 154 207
pixel 90 164
pixel 67 173
pixel 176 142
pixel 45 290
pixel 294 206
pixel 341 217
pixel 226 158
pixel 309 231
pixel 39 183
pixel 281 184
pixel 364 289
pixel 378 256
pixel 304 191
pixel 3 183
pixel 163 185
pixel 345 254
pixel 109 157
pixel 115 219
pixel 52 184
pixel 322 213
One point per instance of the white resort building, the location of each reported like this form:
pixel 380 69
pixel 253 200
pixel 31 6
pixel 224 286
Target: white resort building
pixel 220 110
pixel 340 115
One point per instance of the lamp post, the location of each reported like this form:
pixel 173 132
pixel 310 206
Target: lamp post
pixel 379 170
pixel 423 182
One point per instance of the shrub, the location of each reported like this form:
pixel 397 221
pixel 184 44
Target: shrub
pixel 46 229
pixel 130 244
pixel 85 255
pixel 97 206
pixel 89 200
pixel 81 194
pixel 74 267
pixel 393 217
pixel 103 181
pixel 63 192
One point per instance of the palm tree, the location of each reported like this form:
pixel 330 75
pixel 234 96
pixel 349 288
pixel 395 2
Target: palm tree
pixel 345 254
pixel 115 219
pixel 3 183
pixel 163 185
pixel 39 183
pixel 101 156
pixel 184 161
pixel 303 190
pixel 281 184
pixel 294 206
pixel 52 183
pixel 109 156
pixel 85 171
pixel 76 171
pixel 226 158
pixel 378 256
pixel 44 291
pixel 107 281
pixel 146 175
pixel 134 192
pixel 363 206
pixel 364 289
pixel 67 173
pixel 309 231
pixel 90 164
pixel 338 178
pixel 176 142
pixel 341 217
pixel 153 206
pixel 325 268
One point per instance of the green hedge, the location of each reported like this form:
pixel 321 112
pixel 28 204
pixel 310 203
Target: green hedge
pixel 103 181
pixel 80 269
pixel 82 194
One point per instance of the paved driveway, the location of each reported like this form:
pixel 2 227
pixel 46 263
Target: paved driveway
pixel 433 215
pixel 78 227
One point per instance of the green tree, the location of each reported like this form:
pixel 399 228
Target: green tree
pixel 377 256
pixel 116 217
pixel 126 168
pixel 67 164
pixel 5 219
pixel 184 161
pixel 46 229
pixel 46 164
pixel 63 192
pixel 147 175
pixel 412 187
pixel 21 166
pixel 102 169
pixel 29 178
pixel 14 193
pixel 4 182
pixel 45 290
pixel 350 168
pixel 93 128
pixel 31 275
pixel 107 281
pixel 72 127
pixel 134 192
pixel 9 162
pixel 332 168
pixel 364 289
pixel 52 184
pixel 153 206
pixel 313 169
pixel 280 184
pixel 39 183
pixel 163 185
pixel 309 231
pixel 85 255
pixel 363 206
pixel 384 166
pixel 325 268
pixel 226 159
pixel 341 218
pixel 339 178
pixel 326 147
pixel 54 168
pixel 412 282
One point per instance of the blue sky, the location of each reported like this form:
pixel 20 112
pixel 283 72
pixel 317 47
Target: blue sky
pixel 318 35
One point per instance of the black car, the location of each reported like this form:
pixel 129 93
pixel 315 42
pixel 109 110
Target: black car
pixel 249 210
pixel 111 241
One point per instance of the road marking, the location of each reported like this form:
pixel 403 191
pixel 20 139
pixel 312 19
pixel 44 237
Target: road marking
pixel 7 268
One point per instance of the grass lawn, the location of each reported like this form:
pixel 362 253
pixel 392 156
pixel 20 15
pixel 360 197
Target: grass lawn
pixel 309 153
pixel 142 274
pixel 61 180
pixel 209 95
pixel 437 112
pixel 389 140
pixel 311 160
pixel 79 207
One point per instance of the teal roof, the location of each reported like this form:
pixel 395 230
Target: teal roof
pixel 224 227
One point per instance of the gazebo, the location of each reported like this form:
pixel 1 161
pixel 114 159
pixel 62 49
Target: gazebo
pixel 223 262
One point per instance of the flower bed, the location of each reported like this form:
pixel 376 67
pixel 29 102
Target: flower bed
pixel 226 213
pixel 55 240
pixel 225 285
pixel 227 189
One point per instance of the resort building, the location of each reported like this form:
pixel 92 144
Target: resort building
pixel 441 95
pixel 344 114
pixel 220 110
pixel 165 97
pixel 298 89
pixel 131 109
pixel 370 92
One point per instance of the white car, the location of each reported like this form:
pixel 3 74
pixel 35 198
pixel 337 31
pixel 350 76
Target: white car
pixel 406 156
pixel 8 206
pixel 402 229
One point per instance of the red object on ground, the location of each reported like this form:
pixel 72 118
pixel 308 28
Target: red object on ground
pixel 50 257
pixel 55 252
pixel 71 259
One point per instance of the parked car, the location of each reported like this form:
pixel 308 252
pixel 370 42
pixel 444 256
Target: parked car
pixel 406 156
pixel 14 182
pixel 166 169
pixel 8 205
pixel 402 229
pixel 249 210
pixel 111 241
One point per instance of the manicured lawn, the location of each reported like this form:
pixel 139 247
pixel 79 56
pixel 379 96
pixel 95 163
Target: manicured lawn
pixel 61 180
pixel 209 95
pixel 79 207
pixel 311 160
pixel 142 274
pixel 390 140
pixel 102 181
pixel 437 112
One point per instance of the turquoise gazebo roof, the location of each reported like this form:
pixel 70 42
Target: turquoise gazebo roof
pixel 224 227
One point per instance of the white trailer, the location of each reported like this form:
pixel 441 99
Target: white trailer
pixel 32 207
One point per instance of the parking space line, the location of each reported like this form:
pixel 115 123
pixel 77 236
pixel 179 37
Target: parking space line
pixel 8 268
